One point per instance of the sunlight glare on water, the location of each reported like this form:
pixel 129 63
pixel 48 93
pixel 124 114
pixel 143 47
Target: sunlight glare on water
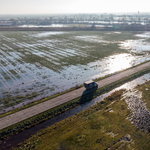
pixel 120 62
pixel 144 35
pixel 46 34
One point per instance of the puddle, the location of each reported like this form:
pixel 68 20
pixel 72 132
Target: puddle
pixel 117 32
pixel 44 26
pixel 93 38
pixel 46 34
pixel 136 46
pixel 144 35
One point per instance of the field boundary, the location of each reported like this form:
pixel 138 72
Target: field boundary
pixel 121 28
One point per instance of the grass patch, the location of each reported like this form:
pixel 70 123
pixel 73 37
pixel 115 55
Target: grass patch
pixel 102 126
pixel 93 52
pixel 13 72
pixel 2 62
pixel 10 100
pixel 33 58
pixel 6 76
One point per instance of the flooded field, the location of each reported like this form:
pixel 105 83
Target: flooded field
pixel 34 65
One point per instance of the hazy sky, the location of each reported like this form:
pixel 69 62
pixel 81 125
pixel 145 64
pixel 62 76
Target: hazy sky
pixel 72 6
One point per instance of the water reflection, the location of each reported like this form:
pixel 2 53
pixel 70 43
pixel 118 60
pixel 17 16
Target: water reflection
pixel 139 45
pixel 136 46
pixel 92 38
pixel 144 35
pixel 46 34
pixel 120 62
pixel 44 26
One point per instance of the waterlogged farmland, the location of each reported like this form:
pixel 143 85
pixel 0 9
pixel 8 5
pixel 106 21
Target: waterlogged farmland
pixel 34 65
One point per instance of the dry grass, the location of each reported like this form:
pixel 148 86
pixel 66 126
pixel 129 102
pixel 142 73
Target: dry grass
pixel 99 127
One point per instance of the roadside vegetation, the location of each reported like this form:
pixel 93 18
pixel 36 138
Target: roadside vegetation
pixel 102 126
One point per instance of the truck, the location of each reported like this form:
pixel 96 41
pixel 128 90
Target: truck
pixel 90 84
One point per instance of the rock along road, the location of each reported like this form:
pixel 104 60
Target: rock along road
pixel 44 106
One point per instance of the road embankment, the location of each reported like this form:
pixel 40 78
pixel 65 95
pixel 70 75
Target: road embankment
pixel 31 116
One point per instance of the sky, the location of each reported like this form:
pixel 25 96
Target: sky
pixel 72 6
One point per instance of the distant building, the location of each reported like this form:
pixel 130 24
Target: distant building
pixel 5 23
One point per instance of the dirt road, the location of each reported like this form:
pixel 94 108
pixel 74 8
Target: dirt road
pixel 39 108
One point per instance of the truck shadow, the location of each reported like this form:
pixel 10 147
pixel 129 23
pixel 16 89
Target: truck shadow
pixel 88 95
